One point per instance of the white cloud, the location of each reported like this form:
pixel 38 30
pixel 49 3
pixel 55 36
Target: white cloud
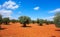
pixel 36 8
pixel 53 11
pixel 56 10
pixel 0 6
pixel 6 9
pixel 10 5
pixel 49 18
pixel 5 13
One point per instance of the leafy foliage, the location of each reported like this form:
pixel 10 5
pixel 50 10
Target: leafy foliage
pixel 40 21
pixel 24 20
pixel 0 21
pixel 57 19
pixel 6 20
pixel 33 21
pixel 45 21
pixel 51 22
pixel 48 22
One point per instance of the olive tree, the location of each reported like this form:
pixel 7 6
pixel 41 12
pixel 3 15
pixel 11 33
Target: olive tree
pixel 48 22
pixel 0 21
pixel 24 20
pixel 40 21
pixel 57 19
pixel 33 21
pixel 6 20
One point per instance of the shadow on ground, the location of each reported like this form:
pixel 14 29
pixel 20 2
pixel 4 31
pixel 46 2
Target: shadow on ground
pixel 26 26
pixel 3 28
pixel 57 30
pixel 53 36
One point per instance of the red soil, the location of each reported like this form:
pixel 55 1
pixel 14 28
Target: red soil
pixel 15 30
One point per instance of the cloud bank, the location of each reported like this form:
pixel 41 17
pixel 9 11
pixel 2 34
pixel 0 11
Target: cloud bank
pixel 6 9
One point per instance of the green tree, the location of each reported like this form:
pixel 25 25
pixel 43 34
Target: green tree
pixel 0 21
pixel 57 19
pixel 33 21
pixel 24 20
pixel 6 21
pixel 48 22
pixel 40 21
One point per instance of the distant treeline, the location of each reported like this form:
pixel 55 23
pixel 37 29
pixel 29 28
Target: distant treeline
pixel 26 20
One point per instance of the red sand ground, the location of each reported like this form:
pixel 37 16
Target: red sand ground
pixel 15 30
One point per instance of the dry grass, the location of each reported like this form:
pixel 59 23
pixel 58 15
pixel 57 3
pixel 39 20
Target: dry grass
pixel 15 30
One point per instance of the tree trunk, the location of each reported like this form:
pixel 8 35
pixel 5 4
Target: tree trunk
pixel 6 23
pixel 0 26
pixel 24 25
pixel 41 24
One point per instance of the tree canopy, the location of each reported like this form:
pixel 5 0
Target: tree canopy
pixel 57 19
pixel 24 20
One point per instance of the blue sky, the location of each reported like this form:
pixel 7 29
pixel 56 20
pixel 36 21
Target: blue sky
pixel 43 9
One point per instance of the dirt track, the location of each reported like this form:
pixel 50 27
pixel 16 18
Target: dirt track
pixel 15 30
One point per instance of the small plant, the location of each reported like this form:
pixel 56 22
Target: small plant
pixel 24 20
